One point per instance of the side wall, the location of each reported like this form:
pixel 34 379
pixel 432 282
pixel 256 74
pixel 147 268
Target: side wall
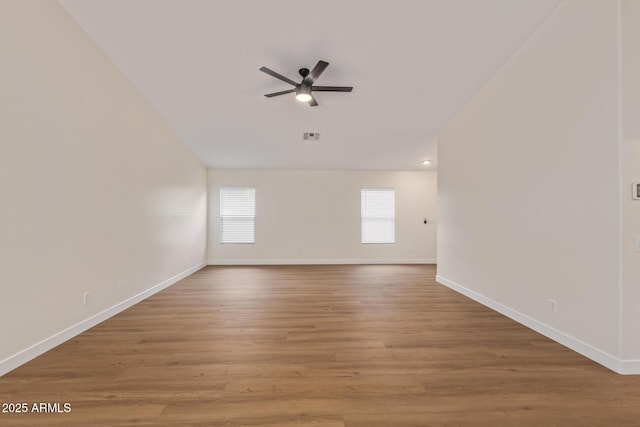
pixel 314 217
pixel 630 37
pixel 529 194
pixel 97 195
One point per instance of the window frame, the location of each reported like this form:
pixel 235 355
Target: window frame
pixel 381 219
pixel 251 218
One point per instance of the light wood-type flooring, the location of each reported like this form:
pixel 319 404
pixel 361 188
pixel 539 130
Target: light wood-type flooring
pixel 355 346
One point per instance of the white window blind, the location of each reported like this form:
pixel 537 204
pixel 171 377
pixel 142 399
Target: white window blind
pixel 378 215
pixel 237 214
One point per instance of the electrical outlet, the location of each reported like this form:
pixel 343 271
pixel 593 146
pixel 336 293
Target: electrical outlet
pixel 553 306
pixel 120 285
pixel 637 243
pixel 85 299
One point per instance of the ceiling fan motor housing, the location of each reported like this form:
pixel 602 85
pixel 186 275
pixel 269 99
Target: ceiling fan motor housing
pixel 302 88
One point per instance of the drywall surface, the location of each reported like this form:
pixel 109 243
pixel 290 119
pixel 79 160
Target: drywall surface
pixel 630 89
pixel 97 195
pixel 314 217
pixel 529 184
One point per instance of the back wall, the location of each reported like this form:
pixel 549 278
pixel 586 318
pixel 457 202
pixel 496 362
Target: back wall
pixel 314 217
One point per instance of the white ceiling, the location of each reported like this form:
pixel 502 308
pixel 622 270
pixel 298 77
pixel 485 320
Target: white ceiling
pixel 413 64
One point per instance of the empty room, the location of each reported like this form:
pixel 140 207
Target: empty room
pixel 355 213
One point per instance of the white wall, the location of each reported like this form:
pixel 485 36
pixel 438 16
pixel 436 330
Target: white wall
pixel 93 186
pixel 529 184
pixel 630 32
pixel 314 217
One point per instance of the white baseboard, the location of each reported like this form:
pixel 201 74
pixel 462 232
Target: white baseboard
pixel 22 357
pixel 304 261
pixel 627 367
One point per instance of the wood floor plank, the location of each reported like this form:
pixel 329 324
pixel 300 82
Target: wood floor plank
pixel 335 346
pixel 254 410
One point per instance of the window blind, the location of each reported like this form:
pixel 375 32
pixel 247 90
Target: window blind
pixel 237 214
pixel 377 207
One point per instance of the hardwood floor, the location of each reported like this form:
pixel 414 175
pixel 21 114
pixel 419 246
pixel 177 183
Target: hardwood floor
pixel 378 345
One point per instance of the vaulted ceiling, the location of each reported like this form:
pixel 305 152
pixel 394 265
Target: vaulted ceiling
pixel 413 64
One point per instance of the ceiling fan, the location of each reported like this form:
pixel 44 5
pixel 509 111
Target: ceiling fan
pixel 305 88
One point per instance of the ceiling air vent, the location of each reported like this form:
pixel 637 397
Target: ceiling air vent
pixel 311 136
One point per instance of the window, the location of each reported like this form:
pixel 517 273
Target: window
pixel 237 214
pixel 378 215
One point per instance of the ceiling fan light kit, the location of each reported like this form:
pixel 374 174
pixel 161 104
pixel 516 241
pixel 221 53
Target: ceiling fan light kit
pixel 303 94
pixel 304 89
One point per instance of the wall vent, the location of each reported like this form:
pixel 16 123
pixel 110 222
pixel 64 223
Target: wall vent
pixel 311 136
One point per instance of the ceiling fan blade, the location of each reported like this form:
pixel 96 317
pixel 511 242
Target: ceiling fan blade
pixel 313 102
pixel 271 95
pixel 315 73
pixel 332 88
pixel 278 76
